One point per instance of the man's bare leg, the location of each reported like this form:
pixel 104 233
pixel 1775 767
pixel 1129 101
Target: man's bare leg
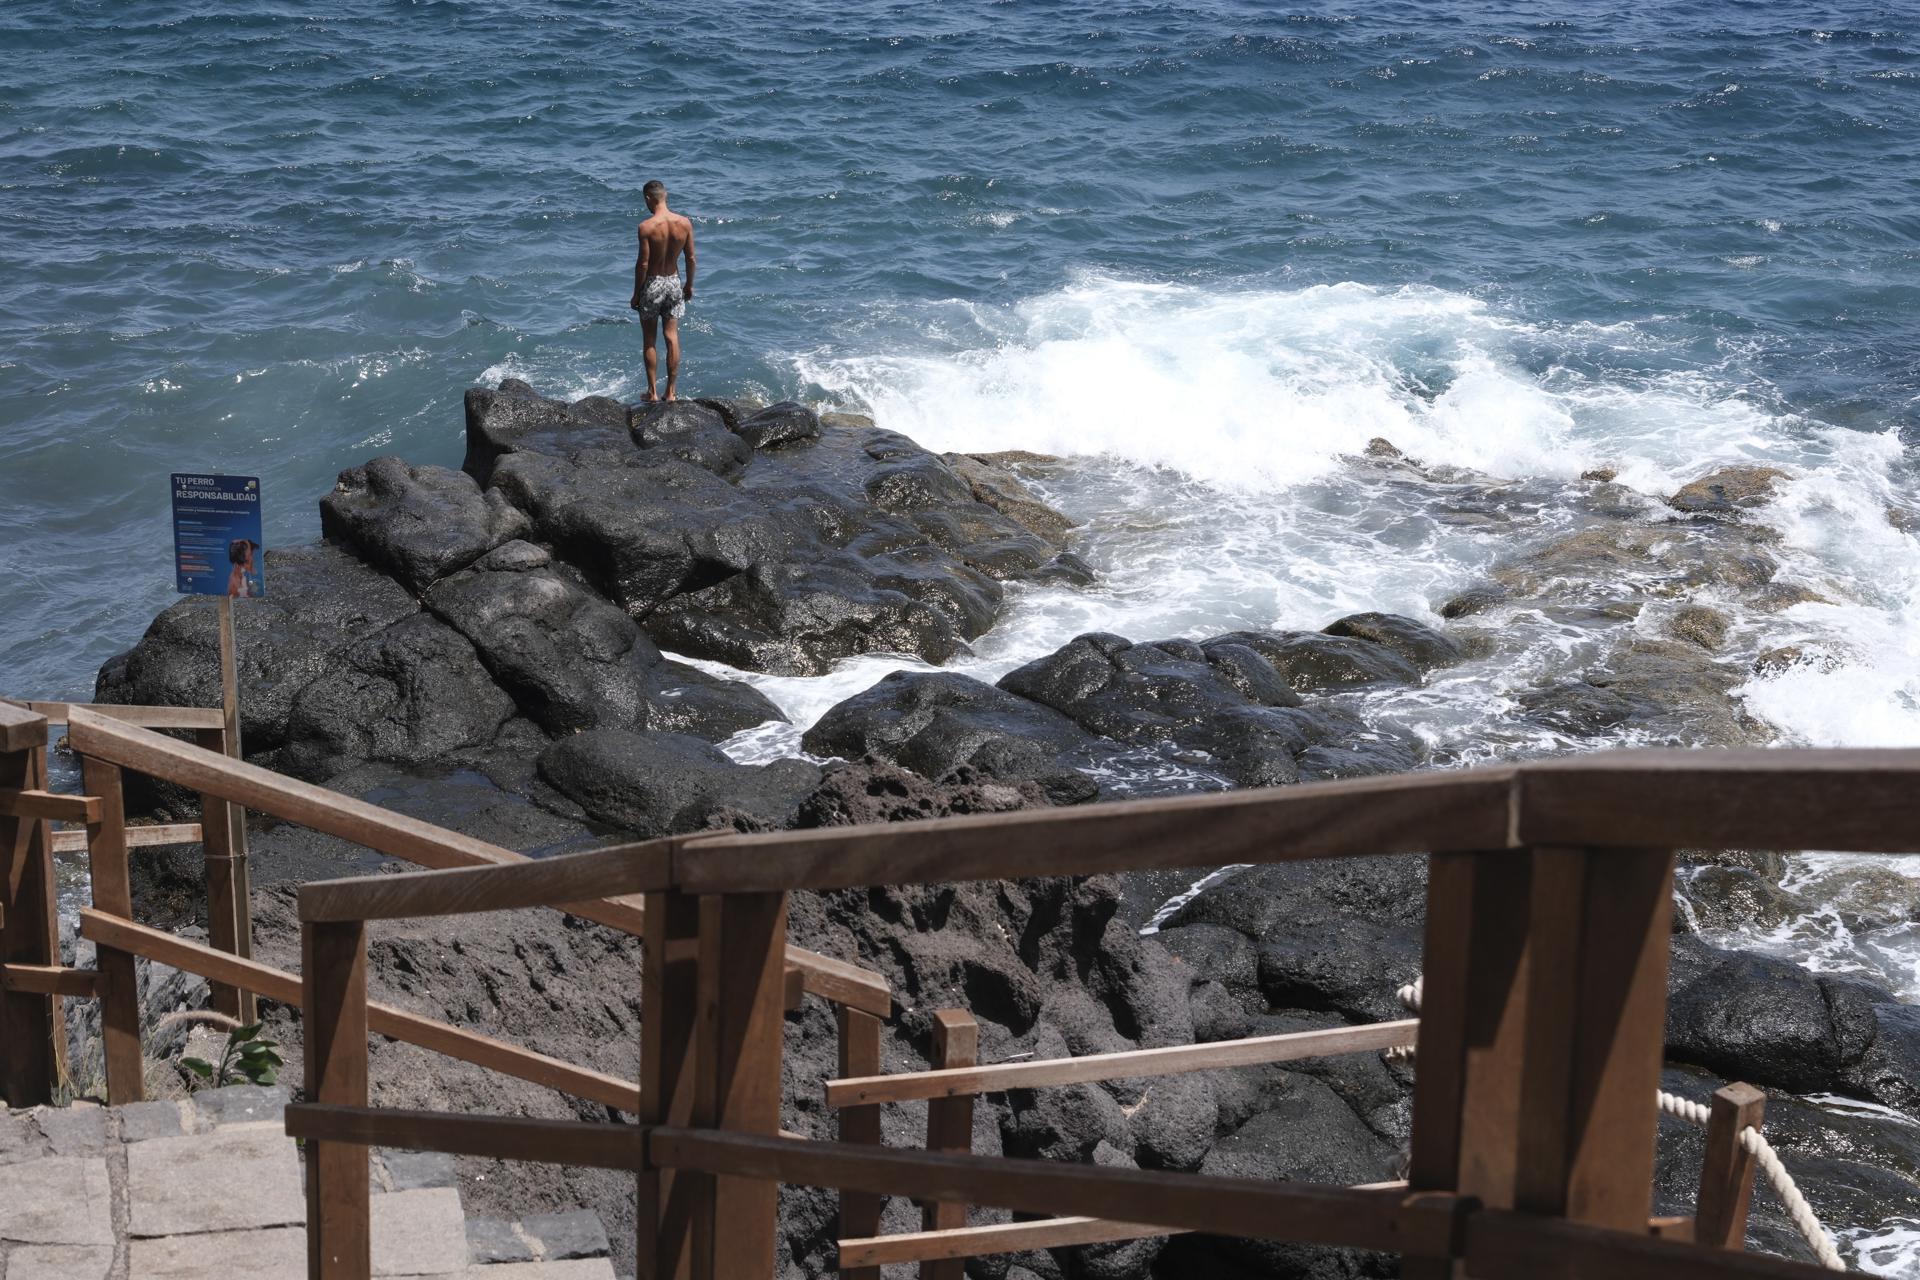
pixel 648 325
pixel 673 357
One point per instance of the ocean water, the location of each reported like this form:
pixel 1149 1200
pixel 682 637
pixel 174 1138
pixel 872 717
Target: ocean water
pixel 1205 250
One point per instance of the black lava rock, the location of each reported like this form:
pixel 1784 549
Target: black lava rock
pixel 657 784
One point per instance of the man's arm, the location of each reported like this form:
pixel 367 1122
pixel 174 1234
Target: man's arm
pixel 639 272
pixel 689 288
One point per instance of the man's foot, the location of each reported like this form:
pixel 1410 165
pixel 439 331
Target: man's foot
pixel 671 397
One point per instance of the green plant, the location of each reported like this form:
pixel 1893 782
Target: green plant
pixel 245 1059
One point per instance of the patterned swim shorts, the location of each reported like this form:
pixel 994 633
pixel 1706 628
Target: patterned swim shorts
pixel 661 299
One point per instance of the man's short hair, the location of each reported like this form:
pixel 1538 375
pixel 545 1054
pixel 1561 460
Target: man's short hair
pixel 654 192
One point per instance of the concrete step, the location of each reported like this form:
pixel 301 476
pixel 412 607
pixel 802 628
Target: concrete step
pixel 213 1186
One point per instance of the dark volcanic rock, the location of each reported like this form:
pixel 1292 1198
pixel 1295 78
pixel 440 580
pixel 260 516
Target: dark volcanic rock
pixel 1217 705
pixel 1306 1134
pixel 1312 662
pixel 417 523
pixel 1337 936
pixel 406 695
pixel 690 431
pixel 641 527
pixel 516 418
pixel 994 482
pixel 779 543
pixel 1421 645
pixel 799 618
pixel 1216 953
pixel 572 661
pixel 778 424
pixel 660 784
pixel 1772 1023
pixel 320 602
pixel 1474 600
pixel 870 790
pixel 1728 490
pixel 1580 709
pixel 935 723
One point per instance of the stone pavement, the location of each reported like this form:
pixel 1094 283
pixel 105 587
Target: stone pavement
pixel 213 1187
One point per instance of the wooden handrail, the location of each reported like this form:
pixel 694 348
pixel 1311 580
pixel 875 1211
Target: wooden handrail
pixel 1132 1064
pixel 399 836
pixel 50 979
pixel 53 806
pixel 1864 800
pixel 1362 817
pixel 428 1033
pixel 137 837
pixel 21 729
pixel 59 713
pixel 1394 1221
pixel 264 791
pixel 600 1146
pixel 561 882
pixel 1773 799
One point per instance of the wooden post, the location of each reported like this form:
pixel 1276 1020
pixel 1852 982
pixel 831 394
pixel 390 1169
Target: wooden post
pixel 956 1043
pixel 333 965
pixel 1595 1015
pixel 859 1056
pixel 1472 1019
pixel 669 993
pixel 113 894
pixel 1726 1174
pixel 33 1038
pixel 230 924
pixel 229 918
pixel 743 941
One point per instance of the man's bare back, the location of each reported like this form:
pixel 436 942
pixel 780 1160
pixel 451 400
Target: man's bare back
pixel 658 294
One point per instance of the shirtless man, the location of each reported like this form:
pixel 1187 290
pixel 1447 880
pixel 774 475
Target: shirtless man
pixel 657 292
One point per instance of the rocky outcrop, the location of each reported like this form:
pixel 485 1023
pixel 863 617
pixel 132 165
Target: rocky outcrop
pixel 1771 1022
pixel 416 523
pixel 936 723
pixel 1336 937
pixel 322 602
pixel 1221 705
pixel 1172 715
pixel 657 784
pixel 870 790
pixel 537 584
pixel 767 540
pixel 1728 490
pixel 572 661
pixel 411 694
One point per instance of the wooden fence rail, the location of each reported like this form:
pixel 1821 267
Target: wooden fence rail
pixel 1540 1031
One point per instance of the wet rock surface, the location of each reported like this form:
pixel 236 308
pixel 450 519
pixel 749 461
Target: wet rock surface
pixel 1728 490
pixel 577 539
pixel 416 523
pixel 658 784
pixel 1101 709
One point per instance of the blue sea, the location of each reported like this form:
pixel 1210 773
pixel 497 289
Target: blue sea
pixel 1206 250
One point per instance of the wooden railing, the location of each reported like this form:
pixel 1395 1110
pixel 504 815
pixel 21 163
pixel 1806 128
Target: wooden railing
pixel 110 740
pixel 1540 1030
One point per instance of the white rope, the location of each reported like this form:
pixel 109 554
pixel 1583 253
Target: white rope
pixel 1697 1113
pixel 1685 1108
pixel 1798 1209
